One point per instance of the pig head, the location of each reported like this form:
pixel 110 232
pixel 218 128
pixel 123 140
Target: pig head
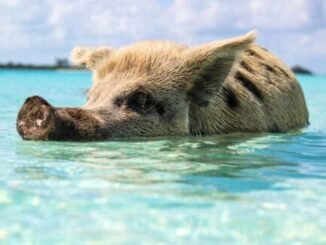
pixel 141 90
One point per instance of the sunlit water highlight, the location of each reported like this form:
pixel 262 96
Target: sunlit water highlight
pixel 268 188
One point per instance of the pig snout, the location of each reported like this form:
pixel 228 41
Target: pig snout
pixel 38 120
pixel 35 119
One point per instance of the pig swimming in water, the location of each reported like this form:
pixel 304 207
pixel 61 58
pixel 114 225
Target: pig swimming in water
pixel 159 88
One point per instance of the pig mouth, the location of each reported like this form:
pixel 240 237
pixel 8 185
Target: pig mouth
pixel 39 120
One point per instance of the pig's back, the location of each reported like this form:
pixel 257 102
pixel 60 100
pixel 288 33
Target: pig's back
pixel 261 94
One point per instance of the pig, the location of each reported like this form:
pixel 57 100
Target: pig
pixel 162 88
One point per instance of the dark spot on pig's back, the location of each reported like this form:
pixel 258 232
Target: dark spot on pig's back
pixel 245 66
pixel 230 97
pixel 249 85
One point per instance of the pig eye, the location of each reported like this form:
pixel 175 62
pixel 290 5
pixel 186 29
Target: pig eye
pixel 142 102
pixel 118 101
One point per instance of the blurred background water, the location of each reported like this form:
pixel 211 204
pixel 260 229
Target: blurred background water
pixel 244 188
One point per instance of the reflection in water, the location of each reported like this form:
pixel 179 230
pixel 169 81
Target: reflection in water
pixel 226 163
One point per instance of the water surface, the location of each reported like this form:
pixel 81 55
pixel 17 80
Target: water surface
pixel 254 189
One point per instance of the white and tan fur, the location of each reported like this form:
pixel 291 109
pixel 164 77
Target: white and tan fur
pixel 166 68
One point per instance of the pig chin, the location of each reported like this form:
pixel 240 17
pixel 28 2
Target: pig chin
pixel 39 120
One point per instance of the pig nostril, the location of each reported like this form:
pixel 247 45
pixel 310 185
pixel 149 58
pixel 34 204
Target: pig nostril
pixel 39 122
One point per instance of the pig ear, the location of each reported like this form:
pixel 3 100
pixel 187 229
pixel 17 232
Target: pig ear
pixel 210 64
pixel 91 57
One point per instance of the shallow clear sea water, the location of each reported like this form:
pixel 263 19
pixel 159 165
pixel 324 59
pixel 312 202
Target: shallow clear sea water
pixel 231 189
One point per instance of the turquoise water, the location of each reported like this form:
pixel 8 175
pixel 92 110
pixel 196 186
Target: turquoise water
pixel 248 189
